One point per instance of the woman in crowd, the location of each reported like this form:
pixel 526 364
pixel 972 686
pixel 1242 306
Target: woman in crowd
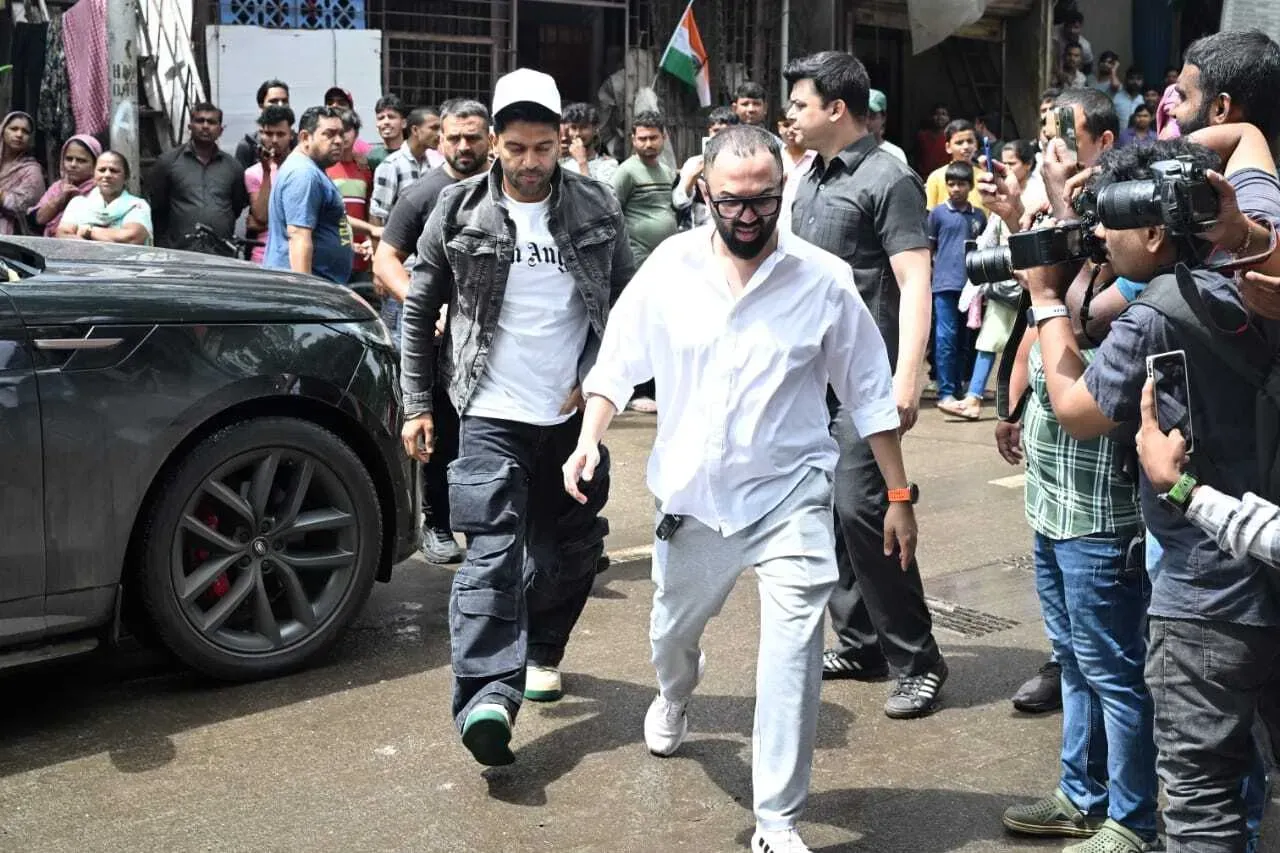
pixel 1001 298
pixel 109 213
pixel 79 155
pixel 1140 127
pixel 21 178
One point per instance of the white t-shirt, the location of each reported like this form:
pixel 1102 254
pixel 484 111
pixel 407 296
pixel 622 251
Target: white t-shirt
pixel 542 329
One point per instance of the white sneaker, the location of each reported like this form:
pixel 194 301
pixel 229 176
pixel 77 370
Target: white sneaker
pixel 542 683
pixel 783 841
pixel 665 726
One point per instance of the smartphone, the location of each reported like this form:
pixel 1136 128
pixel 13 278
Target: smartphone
pixel 1168 370
pixel 1060 122
pixel 986 154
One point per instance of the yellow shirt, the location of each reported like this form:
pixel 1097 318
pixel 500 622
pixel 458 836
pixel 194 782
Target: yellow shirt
pixel 935 189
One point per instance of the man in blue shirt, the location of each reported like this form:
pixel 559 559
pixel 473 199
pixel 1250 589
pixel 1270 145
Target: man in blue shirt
pixel 307 227
pixel 952 224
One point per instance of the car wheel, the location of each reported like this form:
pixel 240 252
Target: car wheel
pixel 261 547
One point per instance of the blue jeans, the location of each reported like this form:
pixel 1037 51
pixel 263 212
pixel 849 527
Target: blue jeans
pixel 948 342
pixel 981 373
pixel 1095 611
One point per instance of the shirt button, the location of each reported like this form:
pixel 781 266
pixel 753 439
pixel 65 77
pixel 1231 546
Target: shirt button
pixel 810 220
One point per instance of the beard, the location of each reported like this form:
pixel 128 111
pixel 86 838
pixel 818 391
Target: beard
pixel 1200 120
pixel 745 249
pixel 466 164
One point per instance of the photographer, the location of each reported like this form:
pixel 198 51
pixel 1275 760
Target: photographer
pixel 1214 619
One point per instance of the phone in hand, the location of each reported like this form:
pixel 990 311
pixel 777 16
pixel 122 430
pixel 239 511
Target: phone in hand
pixel 986 154
pixel 1168 373
pixel 1060 122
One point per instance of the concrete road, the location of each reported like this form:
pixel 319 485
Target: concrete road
pixel 358 753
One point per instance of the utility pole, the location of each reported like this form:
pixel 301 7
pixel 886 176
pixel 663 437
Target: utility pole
pixel 122 58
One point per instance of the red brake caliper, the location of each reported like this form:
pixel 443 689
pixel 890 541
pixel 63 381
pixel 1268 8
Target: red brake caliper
pixel 222 585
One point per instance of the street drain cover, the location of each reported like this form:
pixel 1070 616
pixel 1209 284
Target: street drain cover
pixel 966 621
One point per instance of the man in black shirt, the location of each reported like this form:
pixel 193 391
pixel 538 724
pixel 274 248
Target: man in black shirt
pixel 272 93
pixel 197 183
pixel 464 142
pixel 861 203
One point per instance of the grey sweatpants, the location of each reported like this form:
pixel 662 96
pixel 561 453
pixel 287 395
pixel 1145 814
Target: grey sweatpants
pixel 793 551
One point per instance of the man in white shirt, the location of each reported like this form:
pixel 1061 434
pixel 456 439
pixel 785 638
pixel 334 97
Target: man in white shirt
pixel 877 107
pixel 743 326
pixel 528 258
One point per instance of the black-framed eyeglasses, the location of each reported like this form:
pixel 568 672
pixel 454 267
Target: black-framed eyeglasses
pixel 761 205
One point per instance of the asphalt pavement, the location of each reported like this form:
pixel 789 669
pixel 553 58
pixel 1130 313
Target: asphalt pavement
pixel 131 753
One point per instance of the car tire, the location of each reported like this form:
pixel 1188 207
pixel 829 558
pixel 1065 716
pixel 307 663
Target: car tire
pixel 205 508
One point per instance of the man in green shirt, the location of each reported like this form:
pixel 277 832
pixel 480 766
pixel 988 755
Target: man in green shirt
pixel 643 186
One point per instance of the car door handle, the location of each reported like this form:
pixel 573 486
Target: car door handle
pixel 70 344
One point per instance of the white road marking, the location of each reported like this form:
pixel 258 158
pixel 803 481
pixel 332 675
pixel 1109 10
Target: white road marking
pixel 1017 481
pixel 631 555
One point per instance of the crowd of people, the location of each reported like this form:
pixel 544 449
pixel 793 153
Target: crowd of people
pixel 775 299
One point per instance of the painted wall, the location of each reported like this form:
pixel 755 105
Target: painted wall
pixel 1108 25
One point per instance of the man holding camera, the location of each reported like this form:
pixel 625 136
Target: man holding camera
pixel 1083 509
pixel 1214 653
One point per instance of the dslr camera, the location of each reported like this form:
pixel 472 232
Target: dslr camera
pixel 1178 196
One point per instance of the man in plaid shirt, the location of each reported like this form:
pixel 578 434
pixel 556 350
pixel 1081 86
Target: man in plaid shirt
pixel 402 167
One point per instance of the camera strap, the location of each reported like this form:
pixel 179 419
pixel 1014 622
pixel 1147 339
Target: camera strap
pixel 1004 411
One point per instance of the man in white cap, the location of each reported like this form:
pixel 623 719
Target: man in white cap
pixel 529 258
pixel 877 106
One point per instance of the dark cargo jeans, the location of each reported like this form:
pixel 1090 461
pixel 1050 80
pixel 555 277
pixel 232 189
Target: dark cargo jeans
pixel 1209 680
pixel 531 555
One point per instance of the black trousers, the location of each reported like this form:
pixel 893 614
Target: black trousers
pixel 435 474
pixel 875 603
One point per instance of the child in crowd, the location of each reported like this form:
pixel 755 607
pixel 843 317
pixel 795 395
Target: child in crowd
pixel 962 147
pixel 952 225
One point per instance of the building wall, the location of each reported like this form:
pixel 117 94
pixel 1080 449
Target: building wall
pixel 1108 25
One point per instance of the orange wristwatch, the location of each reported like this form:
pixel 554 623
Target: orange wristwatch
pixel 909 495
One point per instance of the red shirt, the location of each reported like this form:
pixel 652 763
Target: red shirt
pixel 355 182
pixel 931 151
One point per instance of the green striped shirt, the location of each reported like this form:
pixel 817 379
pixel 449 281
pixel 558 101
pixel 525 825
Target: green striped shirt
pixel 1074 488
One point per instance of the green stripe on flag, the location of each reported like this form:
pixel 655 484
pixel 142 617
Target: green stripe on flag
pixel 681 66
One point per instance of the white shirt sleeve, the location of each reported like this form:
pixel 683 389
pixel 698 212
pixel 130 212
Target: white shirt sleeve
pixel 624 362
pixel 858 363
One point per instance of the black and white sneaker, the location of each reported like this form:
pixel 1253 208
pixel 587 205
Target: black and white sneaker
pixel 439 546
pixel 917 695
pixel 858 666
pixel 783 841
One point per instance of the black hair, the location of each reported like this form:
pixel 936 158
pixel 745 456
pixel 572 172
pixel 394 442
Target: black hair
pixel 1050 94
pixel 749 89
pixel 742 140
pixel 311 117
pixel 206 107
pixel 1069 46
pixel 834 75
pixel 124 161
pixel 723 115
pixel 464 108
pixel 1109 54
pixel 1175 69
pixel 959 172
pixel 418 117
pixel 649 118
pixel 957 125
pixel 1141 108
pixel 1244 64
pixel 1133 162
pixel 350 120
pixel 1099 110
pixel 1135 71
pixel 275 114
pixel 393 103
pixel 268 85
pixel 525 111
pixel 580 113
pixel 1023 149
pixel 1072 16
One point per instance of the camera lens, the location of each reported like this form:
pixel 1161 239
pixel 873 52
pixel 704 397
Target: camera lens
pixel 989 265
pixel 1131 204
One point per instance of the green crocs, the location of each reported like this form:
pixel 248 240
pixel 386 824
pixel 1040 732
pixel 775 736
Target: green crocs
pixel 487 734
pixel 1053 816
pixel 1112 837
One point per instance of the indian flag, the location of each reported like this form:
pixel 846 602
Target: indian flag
pixel 686 58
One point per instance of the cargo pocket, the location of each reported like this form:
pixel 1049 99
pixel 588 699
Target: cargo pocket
pixel 487 494
pixel 485 632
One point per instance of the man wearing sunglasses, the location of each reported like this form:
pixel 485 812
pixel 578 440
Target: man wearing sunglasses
pixel 743 326
pixel 861 203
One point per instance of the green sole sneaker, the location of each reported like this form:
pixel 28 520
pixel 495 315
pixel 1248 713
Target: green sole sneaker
pixel 542 684
pixel 1055 817
pixel 1113 837
pixel 487 735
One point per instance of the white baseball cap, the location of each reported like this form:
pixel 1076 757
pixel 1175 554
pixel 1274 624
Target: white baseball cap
pixel 526 86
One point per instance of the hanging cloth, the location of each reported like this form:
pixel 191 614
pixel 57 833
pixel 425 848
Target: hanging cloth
pixel 55 117
pixel 29 42
pixel 84 35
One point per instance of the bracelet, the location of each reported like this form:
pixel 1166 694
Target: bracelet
pixel 1248 238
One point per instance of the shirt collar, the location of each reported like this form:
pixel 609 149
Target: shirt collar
pixel 853 155
pixel 190 148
